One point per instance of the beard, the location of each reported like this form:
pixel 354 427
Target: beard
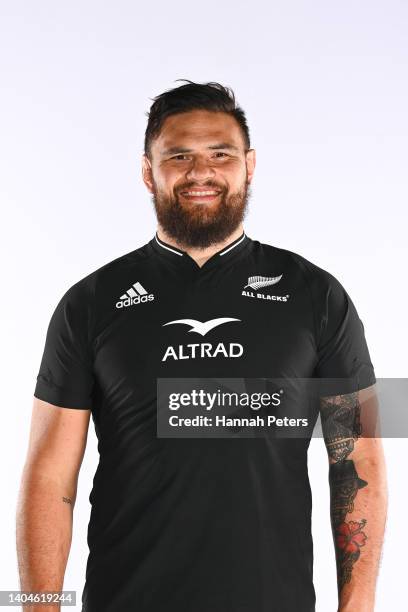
pixel 201 225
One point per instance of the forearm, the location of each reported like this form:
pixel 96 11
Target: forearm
pixel 358 516
pixel 43 533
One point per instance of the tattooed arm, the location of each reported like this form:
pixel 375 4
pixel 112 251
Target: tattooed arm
pixel 358 494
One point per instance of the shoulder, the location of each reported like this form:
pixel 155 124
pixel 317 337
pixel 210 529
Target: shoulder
pixel 318 279
pixel 100 280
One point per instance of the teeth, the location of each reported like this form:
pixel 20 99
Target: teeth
pixel 201 193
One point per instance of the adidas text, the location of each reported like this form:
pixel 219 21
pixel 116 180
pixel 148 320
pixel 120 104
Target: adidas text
pixel 135 300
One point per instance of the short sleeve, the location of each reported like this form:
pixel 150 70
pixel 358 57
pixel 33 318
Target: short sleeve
pixel 342 352
pixel 65 377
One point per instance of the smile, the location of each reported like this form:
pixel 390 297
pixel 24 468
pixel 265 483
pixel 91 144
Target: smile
pixel 200 195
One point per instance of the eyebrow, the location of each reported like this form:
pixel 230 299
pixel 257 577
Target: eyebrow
pixel 221 145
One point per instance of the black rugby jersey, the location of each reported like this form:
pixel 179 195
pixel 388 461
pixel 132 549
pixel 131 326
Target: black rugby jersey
pixel 197 524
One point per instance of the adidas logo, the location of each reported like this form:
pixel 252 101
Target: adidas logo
pixel 135 295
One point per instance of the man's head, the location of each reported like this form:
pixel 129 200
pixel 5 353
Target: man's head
pixel 197 140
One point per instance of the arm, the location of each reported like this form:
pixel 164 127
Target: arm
pixel 47 496
pixel 358 493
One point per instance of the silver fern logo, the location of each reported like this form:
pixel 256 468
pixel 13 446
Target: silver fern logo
pixel 256 282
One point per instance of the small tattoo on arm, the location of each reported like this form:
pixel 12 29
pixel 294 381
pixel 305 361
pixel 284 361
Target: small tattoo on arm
pixel 349 537
pixel 67 500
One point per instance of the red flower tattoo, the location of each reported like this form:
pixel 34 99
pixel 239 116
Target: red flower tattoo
pixel 350 537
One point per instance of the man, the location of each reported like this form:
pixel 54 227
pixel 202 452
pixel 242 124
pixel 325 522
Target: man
pixel 208 524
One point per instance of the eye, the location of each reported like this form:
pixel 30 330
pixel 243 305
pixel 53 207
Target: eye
pixel 183 157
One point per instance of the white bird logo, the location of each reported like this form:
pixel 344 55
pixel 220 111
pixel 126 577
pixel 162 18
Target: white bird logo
pixel 256 282
pixel 202 327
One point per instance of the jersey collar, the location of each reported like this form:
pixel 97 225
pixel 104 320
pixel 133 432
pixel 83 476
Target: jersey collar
pixel 229 252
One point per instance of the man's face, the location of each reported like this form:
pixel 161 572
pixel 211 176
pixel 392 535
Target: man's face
pixel 195 152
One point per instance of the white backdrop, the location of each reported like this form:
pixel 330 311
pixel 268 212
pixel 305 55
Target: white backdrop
pixel 324 86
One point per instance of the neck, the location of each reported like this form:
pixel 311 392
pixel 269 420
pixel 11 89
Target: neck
pixel 200 255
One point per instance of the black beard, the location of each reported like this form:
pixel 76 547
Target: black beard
pixel 197 227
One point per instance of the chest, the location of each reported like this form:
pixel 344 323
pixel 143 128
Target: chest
pixel 213 326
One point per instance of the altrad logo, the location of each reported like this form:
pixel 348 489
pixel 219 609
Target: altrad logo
pixel 205 349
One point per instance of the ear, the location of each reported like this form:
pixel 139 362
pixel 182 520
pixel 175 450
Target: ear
pixel 250 163
pixel 147 172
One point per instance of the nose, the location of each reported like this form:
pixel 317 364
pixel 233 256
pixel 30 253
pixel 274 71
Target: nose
pixel 200 170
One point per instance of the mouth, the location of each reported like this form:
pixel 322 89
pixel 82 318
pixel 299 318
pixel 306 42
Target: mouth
pixel 202 195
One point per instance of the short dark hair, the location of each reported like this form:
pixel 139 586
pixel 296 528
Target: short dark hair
pixel 193 96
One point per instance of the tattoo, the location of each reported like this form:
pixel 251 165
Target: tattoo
pixel 67 500
pixel 341 425
pixel 349 539
pixel 340 416
pixel 344 484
